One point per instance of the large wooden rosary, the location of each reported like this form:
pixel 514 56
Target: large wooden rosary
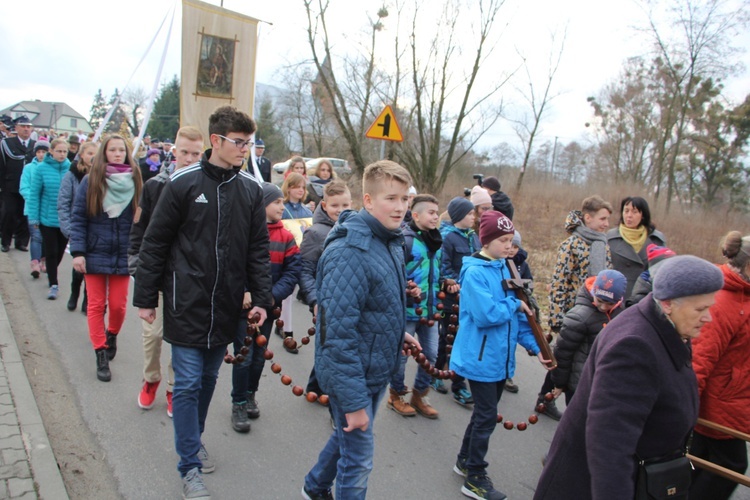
pixel 254 336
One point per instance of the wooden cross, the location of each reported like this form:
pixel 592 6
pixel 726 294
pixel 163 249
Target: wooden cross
pixel 523 289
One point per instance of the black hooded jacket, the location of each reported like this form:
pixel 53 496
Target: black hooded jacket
pixel 207 239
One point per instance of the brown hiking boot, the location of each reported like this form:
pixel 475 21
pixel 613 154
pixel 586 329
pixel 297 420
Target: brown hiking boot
pixel 420 403
pixel 397 403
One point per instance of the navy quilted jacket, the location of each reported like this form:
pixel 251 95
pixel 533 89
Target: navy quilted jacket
pixel 361 285
pixel 103 241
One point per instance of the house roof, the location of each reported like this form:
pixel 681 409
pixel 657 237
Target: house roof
pixel 43 114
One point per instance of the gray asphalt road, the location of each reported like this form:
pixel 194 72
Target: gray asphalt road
pixel 414 457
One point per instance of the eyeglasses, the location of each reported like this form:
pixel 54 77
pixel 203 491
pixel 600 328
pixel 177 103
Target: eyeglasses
pixel 240 144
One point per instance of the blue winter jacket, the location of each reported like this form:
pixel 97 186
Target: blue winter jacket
pixel 491 323
pixel 361 319
pixel 457 244
pixel 44 187
pixel 103 241
pixel 296 211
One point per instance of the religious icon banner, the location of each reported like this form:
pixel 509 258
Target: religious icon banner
pixel 218 61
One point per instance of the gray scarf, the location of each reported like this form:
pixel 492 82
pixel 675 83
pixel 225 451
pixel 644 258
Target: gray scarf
pixel 598 242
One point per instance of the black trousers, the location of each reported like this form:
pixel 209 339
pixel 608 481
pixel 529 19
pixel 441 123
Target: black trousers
pixel 729 453
pixel 483 421
pixel 13 222
pixel 54 249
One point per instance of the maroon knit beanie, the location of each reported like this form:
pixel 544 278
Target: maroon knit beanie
pixel 494 225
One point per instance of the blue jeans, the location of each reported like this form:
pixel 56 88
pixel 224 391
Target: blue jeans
pixel 195 374
pixel 35 245
pixel 347 457
pixel 476 440
pixel 246 376
pixel 428 338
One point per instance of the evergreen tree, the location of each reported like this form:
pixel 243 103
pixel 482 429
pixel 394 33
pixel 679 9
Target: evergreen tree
pixel 118 117
pixel 276 147
pixel 165 117
pixel 98 110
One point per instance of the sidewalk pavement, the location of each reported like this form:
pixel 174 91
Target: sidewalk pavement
pixel 28 468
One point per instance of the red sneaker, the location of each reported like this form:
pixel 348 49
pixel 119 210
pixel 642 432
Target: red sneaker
pixel 148 395
pixel 169 404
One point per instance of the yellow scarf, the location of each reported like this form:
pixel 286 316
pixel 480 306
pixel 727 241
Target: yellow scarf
pixel 636 238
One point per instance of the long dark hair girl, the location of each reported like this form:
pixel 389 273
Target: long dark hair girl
pixel 110 152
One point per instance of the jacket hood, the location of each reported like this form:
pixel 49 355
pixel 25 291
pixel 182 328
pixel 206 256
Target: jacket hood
pixel 584 297
pixel 475 261
pixel 520 257
pixel 275 225
pixel 321 216
pixel 447 227
pixel 573 220
pixel 733 282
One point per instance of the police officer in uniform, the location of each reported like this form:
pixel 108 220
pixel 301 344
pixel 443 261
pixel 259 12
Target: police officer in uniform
pixel 15 152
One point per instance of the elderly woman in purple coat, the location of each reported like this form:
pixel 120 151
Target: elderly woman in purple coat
pixel 638 395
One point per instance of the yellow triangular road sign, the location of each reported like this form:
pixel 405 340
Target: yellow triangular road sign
pixel 385 127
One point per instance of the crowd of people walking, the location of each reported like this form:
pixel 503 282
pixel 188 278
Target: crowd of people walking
pixel 646 341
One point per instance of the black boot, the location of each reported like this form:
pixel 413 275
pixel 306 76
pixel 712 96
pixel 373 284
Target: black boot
pixel 75 291
pixel 85 303
pixel 252 406
pixel 102 365
pixel 111 345
pixel 73 300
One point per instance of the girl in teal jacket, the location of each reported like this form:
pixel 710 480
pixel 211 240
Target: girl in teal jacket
pixel 42 208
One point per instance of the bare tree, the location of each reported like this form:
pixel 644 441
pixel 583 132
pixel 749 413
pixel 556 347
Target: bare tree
pixel 133 103
pixel 442 137
pixel 696 44
pixel 350 110
pixel 528 127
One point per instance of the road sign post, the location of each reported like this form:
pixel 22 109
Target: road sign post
pixel 385 128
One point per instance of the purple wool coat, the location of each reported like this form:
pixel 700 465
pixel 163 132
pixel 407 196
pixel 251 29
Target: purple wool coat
pixel 637 395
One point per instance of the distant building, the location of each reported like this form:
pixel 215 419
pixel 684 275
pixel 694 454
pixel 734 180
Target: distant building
pixel 57 116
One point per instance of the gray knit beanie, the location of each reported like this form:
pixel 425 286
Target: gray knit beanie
pixel 685 276
pixel 517 239
pixel 458 208
pixel 271 193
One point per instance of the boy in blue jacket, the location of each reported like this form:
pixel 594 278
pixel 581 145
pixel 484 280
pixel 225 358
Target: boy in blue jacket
pixel 492 322
pixel 361 321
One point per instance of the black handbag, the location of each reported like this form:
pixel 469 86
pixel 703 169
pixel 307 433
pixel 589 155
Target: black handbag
pixel 663 479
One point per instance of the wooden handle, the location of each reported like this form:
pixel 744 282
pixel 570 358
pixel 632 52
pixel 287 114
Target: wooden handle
pixel 720 471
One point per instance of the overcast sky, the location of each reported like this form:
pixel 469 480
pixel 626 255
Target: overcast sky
pixel 65 51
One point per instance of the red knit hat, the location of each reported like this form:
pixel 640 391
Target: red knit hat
pixel 656 254
pixel 494 225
